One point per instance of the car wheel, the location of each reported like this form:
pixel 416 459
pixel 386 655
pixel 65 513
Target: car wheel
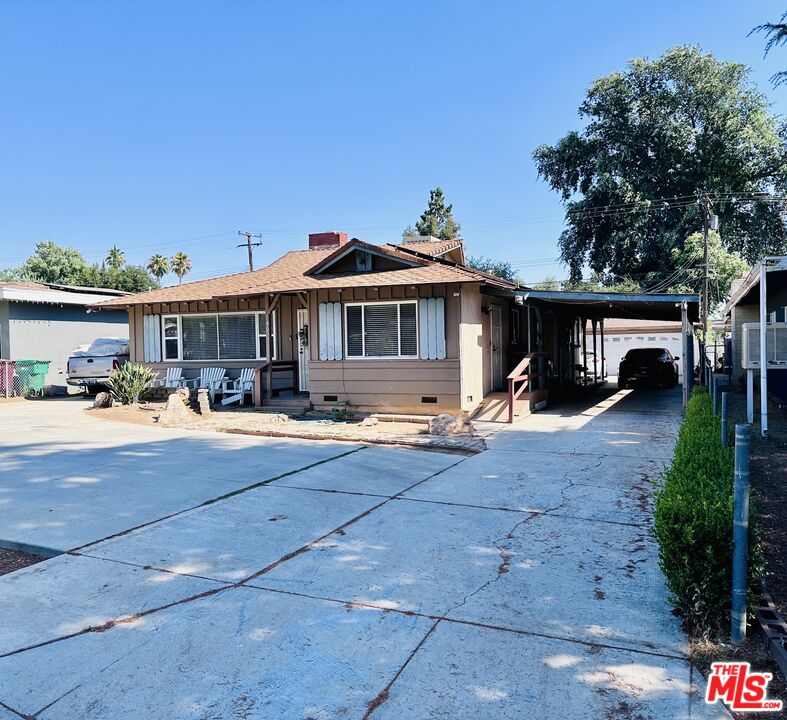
pixel 621 383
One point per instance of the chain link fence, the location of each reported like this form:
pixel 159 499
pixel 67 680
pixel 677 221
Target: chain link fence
pixel 22 378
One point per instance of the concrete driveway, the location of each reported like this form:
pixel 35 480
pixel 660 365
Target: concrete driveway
pixel 360 582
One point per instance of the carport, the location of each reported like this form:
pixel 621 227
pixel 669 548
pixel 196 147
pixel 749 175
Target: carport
pixel 576 356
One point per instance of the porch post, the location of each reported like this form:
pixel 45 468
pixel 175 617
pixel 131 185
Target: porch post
pixel 269 366
pixel 583 327
pixel 595 354
pixel 603 359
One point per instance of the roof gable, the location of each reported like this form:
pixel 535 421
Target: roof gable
pixel 360 257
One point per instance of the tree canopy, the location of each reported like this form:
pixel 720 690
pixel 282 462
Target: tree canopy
pixel 657 136
pixel 437 220
pixel 498 268
pixel 52 263
pixel 775 36
pixel 180 264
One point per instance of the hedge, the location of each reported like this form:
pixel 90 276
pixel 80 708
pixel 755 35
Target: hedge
pixel 693 521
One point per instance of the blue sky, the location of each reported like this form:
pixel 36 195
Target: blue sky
pixel 166 126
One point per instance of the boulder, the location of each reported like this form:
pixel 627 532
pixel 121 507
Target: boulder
pixel 175 412
pixel 102 400
pixel 446 424
pixel 369 422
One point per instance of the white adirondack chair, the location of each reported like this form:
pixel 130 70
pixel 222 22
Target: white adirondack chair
pixel 171 379
pixel 209 377
pixel 235 390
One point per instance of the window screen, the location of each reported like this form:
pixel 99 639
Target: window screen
pixel 355 331
pixel 408 329
pixel 236 337
pixel 381 330
pixel 200 337
pixel 171 338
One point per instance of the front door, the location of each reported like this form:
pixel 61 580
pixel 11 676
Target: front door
pixel 303 349
pixel 496 322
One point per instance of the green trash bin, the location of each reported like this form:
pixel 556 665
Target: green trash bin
pixel 31 374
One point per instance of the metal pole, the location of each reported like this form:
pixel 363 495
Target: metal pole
pixel 687 367
pixel 740 533
pixel 763 351
pixel 750 396
pixel 712 388
pixel 724 418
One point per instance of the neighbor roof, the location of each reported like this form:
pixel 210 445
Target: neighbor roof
pixel 290 273
pixel 432 247
pixel 55 294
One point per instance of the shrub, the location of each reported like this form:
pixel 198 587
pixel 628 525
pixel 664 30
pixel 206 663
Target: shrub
pixel 693 521
pixel 127 383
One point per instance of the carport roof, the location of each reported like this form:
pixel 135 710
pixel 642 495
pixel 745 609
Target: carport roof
pixel 645 306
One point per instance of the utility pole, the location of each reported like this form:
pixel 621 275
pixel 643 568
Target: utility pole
pixel 249 245
pixel 705 200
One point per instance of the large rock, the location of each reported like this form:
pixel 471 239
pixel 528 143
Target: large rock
pixel 369 422
pixel 102 400
pixel 175 413
pixel 446 424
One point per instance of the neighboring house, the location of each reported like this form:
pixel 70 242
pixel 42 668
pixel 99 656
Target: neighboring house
pixel 622 334
pixel 41 321
pixel 404 327
pixel 744 307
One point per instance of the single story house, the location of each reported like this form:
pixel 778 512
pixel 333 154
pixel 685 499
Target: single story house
pixel 45 321
pixel 404 327
pixel 744 307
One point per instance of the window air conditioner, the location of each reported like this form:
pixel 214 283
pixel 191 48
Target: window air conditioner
pixel 776 339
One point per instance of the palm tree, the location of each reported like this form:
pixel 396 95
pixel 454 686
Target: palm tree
pixel 158 266
pixel 115 258
pixel 180 265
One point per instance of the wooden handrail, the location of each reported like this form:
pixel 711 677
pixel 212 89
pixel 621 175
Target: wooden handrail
pixel 518 374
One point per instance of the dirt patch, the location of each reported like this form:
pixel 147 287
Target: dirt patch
pixel 251 422
pixel 11 560
pixel 142 414
pixel 768 467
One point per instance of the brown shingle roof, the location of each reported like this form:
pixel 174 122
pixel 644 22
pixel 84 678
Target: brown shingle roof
pixel 288 274
pixel 434 248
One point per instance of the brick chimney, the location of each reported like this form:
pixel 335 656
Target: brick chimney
pixel 327 240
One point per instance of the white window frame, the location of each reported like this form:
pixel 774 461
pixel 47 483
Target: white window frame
pixel 363 355
pixel 257 336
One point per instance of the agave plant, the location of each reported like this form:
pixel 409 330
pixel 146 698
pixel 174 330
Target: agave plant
pixel 128 382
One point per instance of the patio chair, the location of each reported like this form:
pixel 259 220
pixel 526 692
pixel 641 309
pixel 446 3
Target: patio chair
pixel 209 377
pixel 173 378
pixel 235 390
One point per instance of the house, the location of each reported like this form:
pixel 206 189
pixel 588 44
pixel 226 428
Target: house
pixel 744 307
pixel 404 327
pixel 407 327
pixel 44 321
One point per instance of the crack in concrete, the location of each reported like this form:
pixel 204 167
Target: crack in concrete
pixel 126 619
pixel 15 712
pixel 225 496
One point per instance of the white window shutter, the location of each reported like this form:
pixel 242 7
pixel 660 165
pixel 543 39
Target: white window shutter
pixel 151 338
pixel 432 328
pixel 330 329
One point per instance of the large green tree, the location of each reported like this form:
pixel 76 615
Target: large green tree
pixel 775 36
pixel 180 264
pixel 657 137
pixel 437 220
pixel 52 263
pixel 498 268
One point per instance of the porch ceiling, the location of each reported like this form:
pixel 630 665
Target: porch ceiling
pixel 644 306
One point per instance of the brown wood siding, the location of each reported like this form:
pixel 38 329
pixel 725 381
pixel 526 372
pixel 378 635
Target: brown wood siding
pixel 396 385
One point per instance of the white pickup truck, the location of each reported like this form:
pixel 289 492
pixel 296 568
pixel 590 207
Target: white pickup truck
pixel 90 366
